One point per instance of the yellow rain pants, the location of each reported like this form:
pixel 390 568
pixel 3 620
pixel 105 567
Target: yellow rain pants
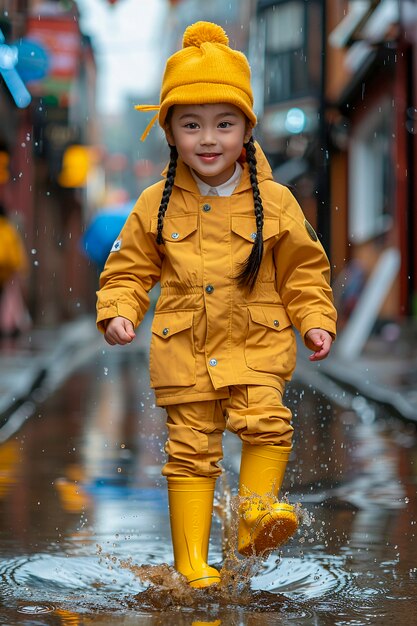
pixel 195 429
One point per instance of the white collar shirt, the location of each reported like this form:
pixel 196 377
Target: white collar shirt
pixel 225 189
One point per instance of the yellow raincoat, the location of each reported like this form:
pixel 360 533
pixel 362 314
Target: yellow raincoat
pixel 207 332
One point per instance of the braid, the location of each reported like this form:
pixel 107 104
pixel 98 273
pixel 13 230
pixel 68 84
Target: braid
pixel 166 194
pixel 250 268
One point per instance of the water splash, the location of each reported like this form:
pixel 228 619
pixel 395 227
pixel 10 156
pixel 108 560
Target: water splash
pixel 168 589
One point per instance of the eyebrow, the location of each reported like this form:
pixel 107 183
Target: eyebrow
pixel 197 116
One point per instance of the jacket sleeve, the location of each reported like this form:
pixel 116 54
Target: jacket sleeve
pixel 130 271
pixel 303 271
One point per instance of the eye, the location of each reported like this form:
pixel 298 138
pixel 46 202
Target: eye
pixel 225 124
pixel 191 125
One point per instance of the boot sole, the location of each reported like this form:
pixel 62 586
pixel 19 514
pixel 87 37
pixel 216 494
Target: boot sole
pixel 271 531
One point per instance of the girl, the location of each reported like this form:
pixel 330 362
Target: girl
pixel 238 266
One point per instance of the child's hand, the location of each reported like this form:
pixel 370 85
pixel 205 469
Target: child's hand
pixel 320 341
pixel 119 331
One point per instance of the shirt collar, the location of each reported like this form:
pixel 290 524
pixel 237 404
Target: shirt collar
pixel 225 189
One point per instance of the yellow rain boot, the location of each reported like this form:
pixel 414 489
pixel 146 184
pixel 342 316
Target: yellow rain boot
pixel 190 509
pixel 264 524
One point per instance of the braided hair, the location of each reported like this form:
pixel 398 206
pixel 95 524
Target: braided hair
pixel 250 268
pixel 166 194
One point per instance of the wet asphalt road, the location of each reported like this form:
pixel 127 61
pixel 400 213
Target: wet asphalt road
pixel 84 533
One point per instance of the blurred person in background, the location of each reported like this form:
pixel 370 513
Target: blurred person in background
pixel 238 265
pixel 14 315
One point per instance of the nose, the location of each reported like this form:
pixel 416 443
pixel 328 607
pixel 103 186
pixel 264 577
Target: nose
pixel 208 137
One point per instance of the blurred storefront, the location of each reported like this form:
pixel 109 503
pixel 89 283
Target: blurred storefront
pixel 371 115
pixel 47 143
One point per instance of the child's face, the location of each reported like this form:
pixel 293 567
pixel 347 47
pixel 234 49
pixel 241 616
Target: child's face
pixel 209 138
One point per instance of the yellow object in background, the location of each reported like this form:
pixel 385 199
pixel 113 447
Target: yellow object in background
pixel 4 167
pixel 75 166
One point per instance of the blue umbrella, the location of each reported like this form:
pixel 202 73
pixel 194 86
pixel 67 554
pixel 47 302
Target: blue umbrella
pixel 102 232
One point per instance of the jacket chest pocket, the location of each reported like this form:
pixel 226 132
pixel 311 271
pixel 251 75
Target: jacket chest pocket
pixel 172 356
pixel 181 244
pixel 270 341
pixel 178 228
pixel 244 229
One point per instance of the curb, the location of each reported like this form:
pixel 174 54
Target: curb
pixel 77 341
pixel 341 383
pixel 403 403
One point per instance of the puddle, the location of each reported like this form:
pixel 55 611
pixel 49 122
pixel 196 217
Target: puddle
pixel 84 530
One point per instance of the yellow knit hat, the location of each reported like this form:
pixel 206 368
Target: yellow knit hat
pixel 205 71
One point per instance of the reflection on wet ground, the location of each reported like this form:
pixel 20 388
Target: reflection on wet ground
pixel 84 532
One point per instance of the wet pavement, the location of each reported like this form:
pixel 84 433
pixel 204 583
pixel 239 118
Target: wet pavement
pixel 384 372
pixel 84 533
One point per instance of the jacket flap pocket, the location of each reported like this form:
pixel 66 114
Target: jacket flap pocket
pixel 167 324
pixel 273 317
pixel 177 228
pixel 246 227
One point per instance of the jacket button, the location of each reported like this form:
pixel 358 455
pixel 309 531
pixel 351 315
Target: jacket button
pixel 253 236
pixel 175 235
pixel 206 208
pixel 165 331
pixel 213 362
pixel 276 323
pixel 209 289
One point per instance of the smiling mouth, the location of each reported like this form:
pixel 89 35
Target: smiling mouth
pixel 209 155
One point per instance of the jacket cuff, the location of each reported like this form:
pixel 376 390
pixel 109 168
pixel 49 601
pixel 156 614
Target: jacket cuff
pixel 317 320
pixel 106 313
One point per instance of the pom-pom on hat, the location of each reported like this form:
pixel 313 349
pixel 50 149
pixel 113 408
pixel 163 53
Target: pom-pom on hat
pixel 205 71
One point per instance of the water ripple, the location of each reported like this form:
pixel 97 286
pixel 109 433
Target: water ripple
pixel 103 579
pixel 302 577
pixel 58 577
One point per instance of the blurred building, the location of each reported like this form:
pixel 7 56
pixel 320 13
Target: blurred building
pixel 47 131
pixel 371 115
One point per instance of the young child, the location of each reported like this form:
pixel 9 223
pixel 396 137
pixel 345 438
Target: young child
pixel 238 266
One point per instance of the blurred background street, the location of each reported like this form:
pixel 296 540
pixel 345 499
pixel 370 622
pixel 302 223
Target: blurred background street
pixel 81 441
